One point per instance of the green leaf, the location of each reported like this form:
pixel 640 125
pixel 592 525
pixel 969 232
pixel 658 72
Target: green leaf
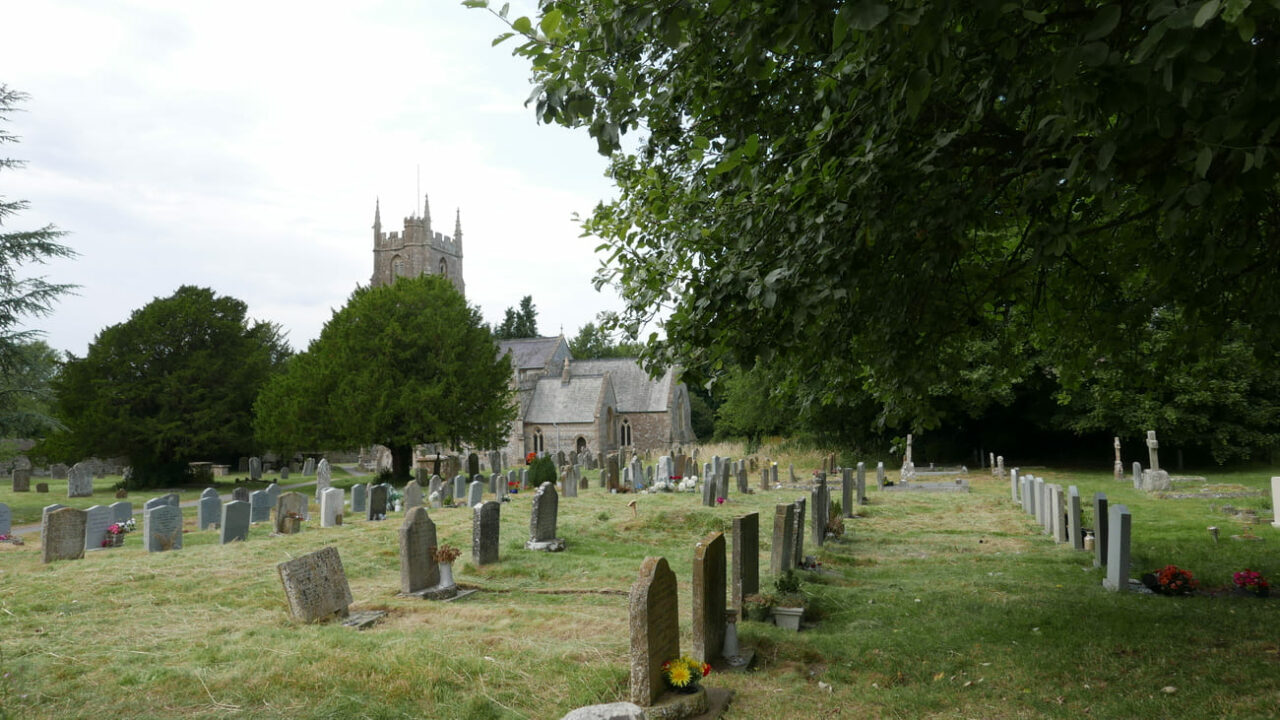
pixel 523 26
pixel 1207 12
pixel 1034 16
pixel 501 38
pixel 475 3
pixel 1203 160
pixel 864 15
pixel 550 23
pixel 918 86
pixel 1247 28
pixel 701 142
pixel 1105 153
pixel 1094 54
pixel 1103 23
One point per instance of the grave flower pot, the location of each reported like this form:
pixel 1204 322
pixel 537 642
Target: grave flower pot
pixel 446 575
pixel 788 618
pixel 115 540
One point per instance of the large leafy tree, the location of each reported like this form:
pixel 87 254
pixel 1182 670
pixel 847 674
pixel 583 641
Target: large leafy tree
pixel 595 341
pixel 399 365
pixel 23 380
pixel 863 187
pixel 174 383
pixel 519 323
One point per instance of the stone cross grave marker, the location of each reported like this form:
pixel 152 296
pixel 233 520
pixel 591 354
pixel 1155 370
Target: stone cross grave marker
pixel 162 528
pixel 542 521
pixel 782 556
pixel 209 509
pixel 259 506
pixel 418 569
pixel 484 533
pixel 288 503
pixel 96 520
pixel 315 585
pixel 62 535
pixel 1119 527
pixel 332 502
pixel 1100 519
pixel 235 521
pixel 655 629
pixel 1153 450
pixel 745 576
pixel 80 481
pixel 708 598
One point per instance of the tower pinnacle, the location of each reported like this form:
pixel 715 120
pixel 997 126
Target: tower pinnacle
pixel 377 215
pixel 426 213
pixel 457 227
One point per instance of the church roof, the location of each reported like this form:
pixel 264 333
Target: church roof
pixel 530 353
pixel 632 386
pixel 557 402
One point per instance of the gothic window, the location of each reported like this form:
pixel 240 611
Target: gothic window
pixel 537 440
pixel 581 444
pixel 624 433
pixel 397 267
pixel 444 267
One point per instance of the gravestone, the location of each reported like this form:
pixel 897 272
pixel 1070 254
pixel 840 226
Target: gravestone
pixel 798 536
pixel 862 483
pixel 484 533
pixel 418 569
pixel 21 480
pixel 500 488
pixel 494 480
pixel 435 500
pixel 495 461
pixel 879 475
pixel 80 481
pixel 848 491
pixel 1075 533
pixel 1137 475
pixel 475 493
pixel 1039 503
pixel 524 478
pixel 611 472
pixel 96 520
pixel 241 494
pixel 208 510
pixel 665 471
pixel 121 511
pixel 653 607
pixel 433 485
pixel 284 473
pixel 1060 515
pixel 332 502
pixel 255 469
pixel 315 585
pixel 1119 527
pixel 745 575
pixel 473 465
pixel 542 521
pixel 782 555
pixel 324 477
pixel 571 480
pixel 58 471
pixel 773 475
pixel 6 519
pixel 708 598
pixel 273 492
pixel 287 504
pixel 1013 483
pixel 1275 502
pixel 1119 466
pixel 999 466
pixel 259 506
pixel 309 467
pixel 791 473
pixel 377 509
pixel 162 528
pixel 359 499
pixel 1100 529
pixel 821 501
pixel 459 488
pixel 243 465
pixel 1153 450
pixel 62 535
pixel 234 522
pixel 412 495
pixel 42 487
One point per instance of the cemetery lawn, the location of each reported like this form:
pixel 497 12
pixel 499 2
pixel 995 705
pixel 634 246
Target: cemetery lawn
pixel 931 606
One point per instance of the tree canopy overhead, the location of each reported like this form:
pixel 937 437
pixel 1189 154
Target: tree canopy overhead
pixel 399 365
pixel 870 188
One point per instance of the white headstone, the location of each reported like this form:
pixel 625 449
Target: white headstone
pixel 332 503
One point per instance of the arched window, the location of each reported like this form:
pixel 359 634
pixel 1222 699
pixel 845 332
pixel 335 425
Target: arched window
pixel 581 444
pixel 624 433
pixel 397 267
pixel 537 440
pixel 444 267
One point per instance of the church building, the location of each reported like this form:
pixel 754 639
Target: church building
pixel 565 404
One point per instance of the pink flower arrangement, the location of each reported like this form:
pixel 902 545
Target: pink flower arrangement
pixel 719 501
pixel 1252 581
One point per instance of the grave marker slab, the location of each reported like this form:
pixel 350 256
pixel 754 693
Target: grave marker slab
pixel 412 495
pixel 475 493
pixel 242 494
pixel 259 506
pixel 418 569
pixel 234 522
pixel 782 555
pixel 6 519
pixel 289 504
pixel 162 528
pixel 315 585
pixel 484 533
pixel 459 487
pixel 745 576
pixel 798 536
pixel 96 520
pixel 324 477
pixel 848 491
pixel 1100 522
pixel 255 468
pixel 62 535
pixel 208 510
pixel 121 511
pixel 1119 527
pixel 708 598
pixel 542 521
pixel 1075 533
pixel 655 629
pixel 359 499
pixel 332 502
pixel 80 481
pixel 21 480
pixel 1275 502
pixel 377 509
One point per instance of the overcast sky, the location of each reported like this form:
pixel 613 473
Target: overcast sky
pixel 241 145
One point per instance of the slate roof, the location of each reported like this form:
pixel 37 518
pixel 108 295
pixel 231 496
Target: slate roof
pixel 530 353
pixel 632 387
pixel 555 402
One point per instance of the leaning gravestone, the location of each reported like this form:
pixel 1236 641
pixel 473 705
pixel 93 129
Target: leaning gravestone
pixel 6 519
pixel 255 469
pixel 745 576
pixel 62 535
pixel 412 495
pixel 708 598
pixel 273 491
pixel 655 628
pixel 377 509
pixel 315 585
pixel 324 477
pixel 332 502
pixel 259 506
pixel 542 523
pixel 484 533
pixel 782 555
pixel 80 481
pixel 359 498
pixel 21 480
pixel 209 510
pixel 290 504
pixel 1118 529
pixel 418 568
pixel 96 520
pixel 162 528
pixel 234 521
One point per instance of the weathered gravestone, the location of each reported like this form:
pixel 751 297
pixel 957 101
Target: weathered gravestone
pixel 745 575
pixel 484 533
pixel 1075 533
pixel 435 500
pixel 412 495
pixel 377 509
pixel 42 487
pixel 1013 484
pixel 475 493
pixel 359 499
pixel 708 598
pixel 234 521
pixel 96 520
pixel 880 475
pixel 433 485
pixel 821 504
pixel 21 480
pixel 309 467
pixel 1100 529
pixel 315 585
pixel 773 475
pixel 1119 526
pixel 162 528
pixel 1275 502
pixel 459 488
pixel 655 629
pixel 782 556
pixel 80 481
pixel 542 521
pixel 332 502
pixel 121 511
pixel 284 473
pixel 241 494
pixel 571 480
pixel 209 510
pixel 58 471
pixel 611 475
pixel 290 507
pixel 1137 475
pixel 259 506
pixel 170 499
pixel 62 535
pixel 419 572
pixel 708 486
pixel 862 483
pixel 243 465
pixel 324 477
pixel 848 492
pixel 6 519
pixel 1040 506
pixel 798 536
pixel 473 465
pixel 255 468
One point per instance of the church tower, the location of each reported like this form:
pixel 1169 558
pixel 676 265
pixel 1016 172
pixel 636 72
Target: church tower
pixel 417 250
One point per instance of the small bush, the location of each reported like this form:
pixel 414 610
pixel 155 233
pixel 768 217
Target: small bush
pixel 542 470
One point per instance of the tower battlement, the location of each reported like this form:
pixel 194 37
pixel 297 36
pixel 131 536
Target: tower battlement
pixel 416 250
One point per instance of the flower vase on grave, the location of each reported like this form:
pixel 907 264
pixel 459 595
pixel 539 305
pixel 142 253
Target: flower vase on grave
pixel 116 540
pixel 446 575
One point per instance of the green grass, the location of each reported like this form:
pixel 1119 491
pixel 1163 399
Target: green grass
pixel 932 606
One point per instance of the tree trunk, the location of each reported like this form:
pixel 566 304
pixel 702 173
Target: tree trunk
pixel 401 462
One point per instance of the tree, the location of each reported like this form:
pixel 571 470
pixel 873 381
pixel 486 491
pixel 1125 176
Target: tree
pixel 399 365
pixel 860 187
pixel 23 384
pixel 25 394
pixel 174 383
pixel 593 341
pixel 522 323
